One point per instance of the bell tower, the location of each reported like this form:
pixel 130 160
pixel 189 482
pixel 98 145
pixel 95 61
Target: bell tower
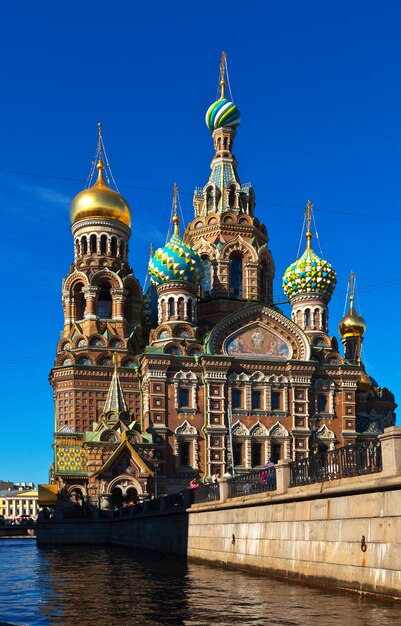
pixel 232 243
pixel 101 300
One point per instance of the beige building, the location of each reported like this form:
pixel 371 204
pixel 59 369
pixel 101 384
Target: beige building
pixel 16 503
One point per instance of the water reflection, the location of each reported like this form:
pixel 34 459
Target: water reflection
pixel 110 586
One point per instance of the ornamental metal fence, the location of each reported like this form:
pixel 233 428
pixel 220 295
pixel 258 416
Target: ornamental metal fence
pixel 207 493
pixel 355 459
pixel 254 482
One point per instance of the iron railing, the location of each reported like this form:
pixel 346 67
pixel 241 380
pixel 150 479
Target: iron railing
pixel 207 493
pixel 255 482
pixel 355 459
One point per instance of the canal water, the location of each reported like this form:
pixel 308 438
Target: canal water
pixel 106 586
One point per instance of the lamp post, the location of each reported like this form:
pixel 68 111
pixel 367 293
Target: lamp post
pixel 313 425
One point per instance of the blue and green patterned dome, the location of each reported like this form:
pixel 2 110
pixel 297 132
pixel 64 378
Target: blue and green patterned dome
pixel 175 261
pixel 309 274
pixel 222 113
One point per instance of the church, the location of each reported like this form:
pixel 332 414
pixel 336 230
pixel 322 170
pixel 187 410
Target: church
pixel 151 386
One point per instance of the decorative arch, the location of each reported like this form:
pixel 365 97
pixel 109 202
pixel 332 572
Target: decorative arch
pixel 80 342
pixel 257 377
pixel 76 276
pixel 84 359
pixel 181 375
pixel 124 482
pixel 240 430
pixel 277 431
pixel 259 315
pixel 186 429
pixel 239 245
pixel 326 434
pixel 110 436
pixel 258 430
pixel 106 276
pixel 174 349
pixel 97 341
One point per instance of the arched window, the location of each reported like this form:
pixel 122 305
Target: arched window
pixel 103 244
pixel 321 403
pixel 316 318
pixel 209 199
pixel 84 245
pixel 324 320
pixel 122 249
pixel 104 305
pixel 180 307
pixel 92 244
pixel 307 318
pixel 171 307
pixel 113 246
pixel 236 276
pixel 79 301
pixel 236 397
pixel 77 248
pixel 231 197
pixel 206 281
pixel 189 310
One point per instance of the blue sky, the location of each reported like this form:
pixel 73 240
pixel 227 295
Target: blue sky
pixel 318 87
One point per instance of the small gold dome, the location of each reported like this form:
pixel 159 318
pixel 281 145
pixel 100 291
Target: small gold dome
pixel 364 382
pixel 100 201
pixel 352 325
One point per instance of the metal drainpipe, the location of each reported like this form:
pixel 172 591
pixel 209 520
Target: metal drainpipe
pixel 198 363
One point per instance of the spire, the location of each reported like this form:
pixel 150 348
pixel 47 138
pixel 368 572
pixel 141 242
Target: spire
pixel 176 219
pixel 99 152
pixel 222 75
pixel 115 400
pixel 308 215
pixel 351 286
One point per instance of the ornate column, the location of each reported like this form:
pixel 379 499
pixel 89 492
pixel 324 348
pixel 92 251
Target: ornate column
pixel 90 294
pixel 118 296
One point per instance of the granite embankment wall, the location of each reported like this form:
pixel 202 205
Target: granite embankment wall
pixel 344 533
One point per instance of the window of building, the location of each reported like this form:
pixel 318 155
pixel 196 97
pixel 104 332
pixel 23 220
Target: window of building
pixel 256 400
pixel 185 451
pixel 79 301
pixel 307 318
pixel 321 403
pixel 275 452
pixel 238 453
pixel 236 275
pixel 276 401
pixel 256 454
pixel 104 302
pixel 206 282
pixel 236 398
pixel 183 397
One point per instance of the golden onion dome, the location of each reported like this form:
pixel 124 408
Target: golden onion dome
pixel 352 324
pixel 364 383
pixel 100 201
